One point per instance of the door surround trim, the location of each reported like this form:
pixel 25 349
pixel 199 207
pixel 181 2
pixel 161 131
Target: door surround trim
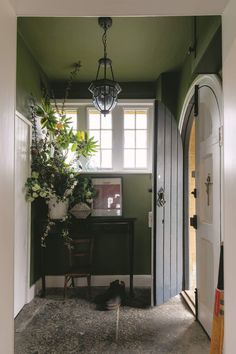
pixel 28 288
pixel 211 80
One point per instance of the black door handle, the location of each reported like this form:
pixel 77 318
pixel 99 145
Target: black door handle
pixel 161 197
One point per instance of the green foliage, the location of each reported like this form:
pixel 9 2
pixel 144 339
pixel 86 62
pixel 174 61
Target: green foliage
pixel 54 172
pixel 84 191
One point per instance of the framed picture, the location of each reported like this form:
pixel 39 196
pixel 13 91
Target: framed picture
pixel 108 201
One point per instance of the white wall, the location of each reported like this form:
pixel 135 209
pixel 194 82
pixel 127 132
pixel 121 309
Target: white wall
pixel 7 104
pixel 119 8
pixel 229 92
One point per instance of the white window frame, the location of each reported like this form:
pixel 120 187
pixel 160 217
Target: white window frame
pixel 100 130
pixel 149 138
pixel 82 107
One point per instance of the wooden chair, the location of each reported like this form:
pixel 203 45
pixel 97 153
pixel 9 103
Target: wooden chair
pixel 80 263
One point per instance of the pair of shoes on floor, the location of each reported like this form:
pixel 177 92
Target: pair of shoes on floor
pixel 113 297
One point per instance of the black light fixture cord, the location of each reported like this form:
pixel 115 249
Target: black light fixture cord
pixel 104 41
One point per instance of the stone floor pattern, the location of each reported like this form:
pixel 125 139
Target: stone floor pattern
pixel 51 325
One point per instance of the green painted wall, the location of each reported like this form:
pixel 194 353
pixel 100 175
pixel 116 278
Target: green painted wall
pixel 130 90
pixel 172 87
pixel 29 79
pixel 136 200
pixel 208 56
pixel 111 250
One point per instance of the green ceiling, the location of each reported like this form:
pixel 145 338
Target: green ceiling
pixel 141 48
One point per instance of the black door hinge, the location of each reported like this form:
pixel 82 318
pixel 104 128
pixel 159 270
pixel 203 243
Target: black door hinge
pixel 194 193
pixel 196 88
pixel 193 221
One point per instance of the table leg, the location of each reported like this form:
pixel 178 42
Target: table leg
pixel 131 258
pixel 43 292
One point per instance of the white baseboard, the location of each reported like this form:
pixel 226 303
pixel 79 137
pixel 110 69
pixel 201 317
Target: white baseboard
pixel 140 280
pixel 33 290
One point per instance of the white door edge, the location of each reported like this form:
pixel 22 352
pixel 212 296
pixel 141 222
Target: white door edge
pixel 28 290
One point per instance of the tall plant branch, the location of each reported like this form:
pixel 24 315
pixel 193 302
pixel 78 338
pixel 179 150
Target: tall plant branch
pixel 72 76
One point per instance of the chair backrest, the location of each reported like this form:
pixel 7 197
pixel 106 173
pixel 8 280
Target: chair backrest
pixel 81 251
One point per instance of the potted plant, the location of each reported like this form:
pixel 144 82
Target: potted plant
pixel 82 197
pixel 56 150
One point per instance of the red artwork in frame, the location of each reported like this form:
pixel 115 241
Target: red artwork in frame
pixel 108 201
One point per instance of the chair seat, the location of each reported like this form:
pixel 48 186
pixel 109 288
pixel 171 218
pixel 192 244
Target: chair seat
pixel 81 271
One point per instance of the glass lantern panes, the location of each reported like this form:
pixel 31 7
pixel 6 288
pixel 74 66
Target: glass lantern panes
pixel 135 138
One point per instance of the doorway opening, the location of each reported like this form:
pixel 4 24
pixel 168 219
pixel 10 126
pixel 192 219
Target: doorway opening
pixel 202 194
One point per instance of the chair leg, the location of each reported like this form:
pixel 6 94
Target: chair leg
pixel 72 282
pixel 65 286
pixel 89 286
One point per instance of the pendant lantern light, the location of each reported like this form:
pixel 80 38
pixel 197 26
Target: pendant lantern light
pixel 105 89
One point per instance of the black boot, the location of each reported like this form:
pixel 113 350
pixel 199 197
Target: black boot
pixel 113 296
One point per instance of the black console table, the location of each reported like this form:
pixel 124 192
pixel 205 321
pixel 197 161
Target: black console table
pixel 96 226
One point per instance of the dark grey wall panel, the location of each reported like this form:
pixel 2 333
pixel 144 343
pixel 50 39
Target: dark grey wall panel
pixel 174 209
pixel 167 208
pixel 168 217
pixel 160 215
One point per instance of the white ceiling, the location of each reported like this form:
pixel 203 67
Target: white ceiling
pixel 76 8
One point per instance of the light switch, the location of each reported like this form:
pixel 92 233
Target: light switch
pixel 150 219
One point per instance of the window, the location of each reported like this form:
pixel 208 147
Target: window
pixel 100 127
pixel 135 139
pixel 124 137
pixel 72 114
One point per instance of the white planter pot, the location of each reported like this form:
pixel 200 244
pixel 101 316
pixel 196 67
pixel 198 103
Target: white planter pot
pixel 57 209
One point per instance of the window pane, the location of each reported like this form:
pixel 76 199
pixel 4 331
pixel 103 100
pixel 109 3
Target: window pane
pixel 106 139
pixel 141 138
pixel 96 135
pixel 106 159
pixel 106 121
pixel 95 160
pixel 141 158
pixel 94 120
pixel 129 120
pixel 141 120
pixel 129 139
pixel 129 158
pixel 73 118
pixel 70 155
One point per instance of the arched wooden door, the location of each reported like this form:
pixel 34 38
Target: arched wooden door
pixel 168 206
pixel 205 96
pixel 208 201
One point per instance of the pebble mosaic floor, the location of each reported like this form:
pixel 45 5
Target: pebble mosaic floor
pixel 51 325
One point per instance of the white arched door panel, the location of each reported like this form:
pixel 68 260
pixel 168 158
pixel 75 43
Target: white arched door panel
pixel 208 108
